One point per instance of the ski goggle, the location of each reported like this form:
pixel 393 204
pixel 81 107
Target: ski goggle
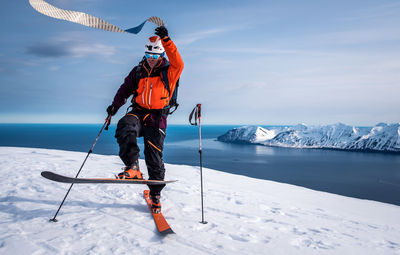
pixel 153 56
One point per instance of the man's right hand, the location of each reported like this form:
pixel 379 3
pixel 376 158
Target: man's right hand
pixel 112 110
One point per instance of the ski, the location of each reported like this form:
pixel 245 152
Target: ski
pixel 65 179
pixel 162 225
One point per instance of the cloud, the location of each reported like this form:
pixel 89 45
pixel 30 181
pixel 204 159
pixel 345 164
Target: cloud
pixel 54 68
pixel 95 49
pixel 384 11
pixel 246 50
pixel 69 48
pixel 358 36
pixel 193 37
pixel 48 50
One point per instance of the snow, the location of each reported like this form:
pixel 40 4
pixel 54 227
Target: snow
pixel 382 137
pixel 245 215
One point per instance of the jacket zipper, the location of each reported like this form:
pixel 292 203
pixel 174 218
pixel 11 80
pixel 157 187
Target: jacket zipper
pixel 151 89
pixel 144 92
pixel 144 97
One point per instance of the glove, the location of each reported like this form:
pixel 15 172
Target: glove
pixel 162 32
pixel 112 110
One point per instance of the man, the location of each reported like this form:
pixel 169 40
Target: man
pixel 151 94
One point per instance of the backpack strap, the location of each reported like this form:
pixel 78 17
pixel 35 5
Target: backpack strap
pixel 138 73
pixel 164 77
pixel 173 103
pixel 139 69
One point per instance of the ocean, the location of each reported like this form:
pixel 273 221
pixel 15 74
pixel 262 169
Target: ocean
pixel 365 175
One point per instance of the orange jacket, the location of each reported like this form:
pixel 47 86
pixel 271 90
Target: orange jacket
pixel 151 92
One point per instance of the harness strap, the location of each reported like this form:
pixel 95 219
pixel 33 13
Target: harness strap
pixel 157 113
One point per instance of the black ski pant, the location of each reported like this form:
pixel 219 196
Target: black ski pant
pixel 129 128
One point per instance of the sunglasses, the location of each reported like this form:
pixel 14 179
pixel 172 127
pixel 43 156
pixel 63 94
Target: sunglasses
pixel 153 56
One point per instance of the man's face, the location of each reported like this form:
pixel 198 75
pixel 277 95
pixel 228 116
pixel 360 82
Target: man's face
pixel 153 62
pixel 153 59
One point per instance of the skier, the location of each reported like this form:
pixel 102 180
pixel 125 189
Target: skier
pixel 148 116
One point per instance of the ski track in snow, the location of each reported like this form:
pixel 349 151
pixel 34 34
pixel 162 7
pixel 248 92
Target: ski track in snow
pixel 245 215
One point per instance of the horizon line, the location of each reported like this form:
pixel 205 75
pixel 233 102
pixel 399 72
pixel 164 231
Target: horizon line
pixel 184 124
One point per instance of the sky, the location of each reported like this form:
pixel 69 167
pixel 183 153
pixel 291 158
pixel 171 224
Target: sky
pixel 246 62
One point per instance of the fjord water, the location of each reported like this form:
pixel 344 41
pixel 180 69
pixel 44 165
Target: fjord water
pixel 366 175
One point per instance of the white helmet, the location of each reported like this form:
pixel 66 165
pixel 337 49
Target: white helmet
pixel 154 46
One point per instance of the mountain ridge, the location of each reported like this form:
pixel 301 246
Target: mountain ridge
pixel 382 137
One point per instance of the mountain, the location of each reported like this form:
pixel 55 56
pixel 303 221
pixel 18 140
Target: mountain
pixel 382 137
pixel 245 215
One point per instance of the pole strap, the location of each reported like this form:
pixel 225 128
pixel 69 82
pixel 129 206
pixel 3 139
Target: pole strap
pixel 86 19
pixel 196 112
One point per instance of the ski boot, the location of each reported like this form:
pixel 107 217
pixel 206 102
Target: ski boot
pixel 156 204
pixel 131 173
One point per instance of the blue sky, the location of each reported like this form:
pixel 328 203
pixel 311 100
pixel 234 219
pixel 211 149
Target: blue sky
pixel 247 62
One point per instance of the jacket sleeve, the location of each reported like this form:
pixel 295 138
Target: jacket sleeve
pixel 175 62
pixel 126 89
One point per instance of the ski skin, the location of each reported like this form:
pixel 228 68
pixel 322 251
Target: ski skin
pixel 161 224
pixel 65 179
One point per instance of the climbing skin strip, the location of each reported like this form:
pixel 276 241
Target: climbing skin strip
pixel 86 19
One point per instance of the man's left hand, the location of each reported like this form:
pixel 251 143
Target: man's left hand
pixel 162 32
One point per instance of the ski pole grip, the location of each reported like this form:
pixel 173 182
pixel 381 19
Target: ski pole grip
pixel 199 110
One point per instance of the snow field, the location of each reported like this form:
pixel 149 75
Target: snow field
pixel 245 215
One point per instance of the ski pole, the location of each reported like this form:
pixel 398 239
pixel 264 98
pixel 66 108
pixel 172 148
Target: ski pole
pixel 197 113
pixel 105 125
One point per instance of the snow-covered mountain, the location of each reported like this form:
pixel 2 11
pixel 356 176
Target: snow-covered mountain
pixel 245 215
pixel 382 137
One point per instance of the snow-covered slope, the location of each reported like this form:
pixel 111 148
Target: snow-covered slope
pixel 382 137
pixel 245 215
